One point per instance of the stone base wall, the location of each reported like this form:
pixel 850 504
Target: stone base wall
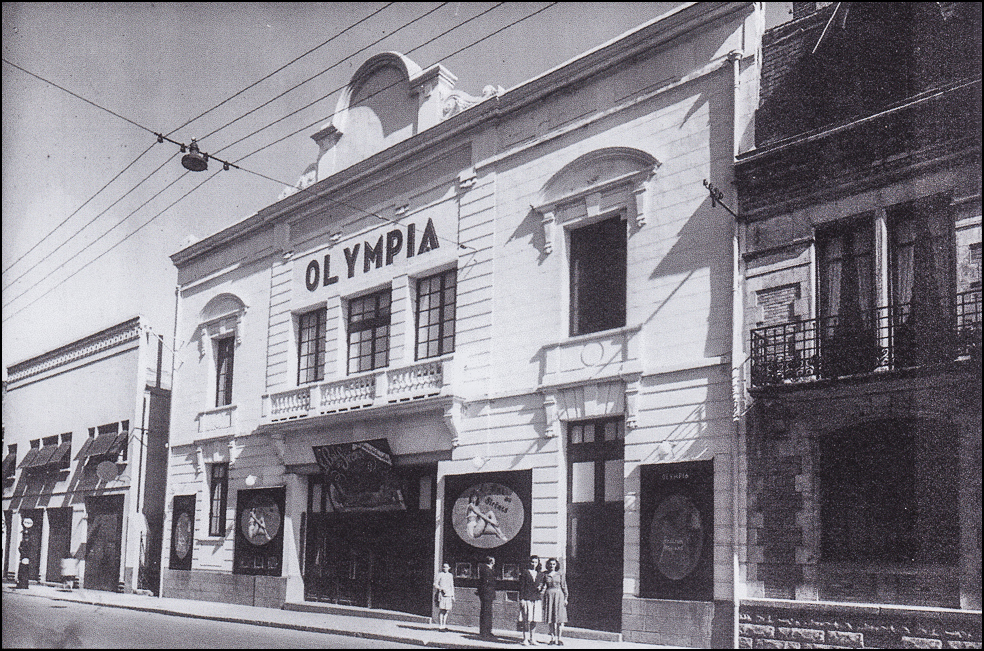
pixel 265 591
pixel 505 610
pixel 693 624
pixel 791 625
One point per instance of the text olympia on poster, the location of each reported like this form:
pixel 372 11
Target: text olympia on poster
pixel 487 515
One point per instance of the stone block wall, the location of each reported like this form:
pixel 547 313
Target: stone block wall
pixel 264 591
pixel 784 625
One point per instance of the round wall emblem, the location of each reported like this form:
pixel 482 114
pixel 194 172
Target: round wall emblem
pixel 261 522
pixel 676 537
pixel 487 515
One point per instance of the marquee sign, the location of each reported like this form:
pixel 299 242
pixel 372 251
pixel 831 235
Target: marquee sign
pixel 360 476
pixel 375 251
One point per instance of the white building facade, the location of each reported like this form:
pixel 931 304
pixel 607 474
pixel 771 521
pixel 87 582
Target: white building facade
pixel 85 432
pixel 481 325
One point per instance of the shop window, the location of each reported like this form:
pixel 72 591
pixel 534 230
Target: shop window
pixel 311 346
pixel 888 513
pixel 598 276
pixel 225 350
pixel 369 332
pixel 218 498
pixel 436 314
pixel 10 464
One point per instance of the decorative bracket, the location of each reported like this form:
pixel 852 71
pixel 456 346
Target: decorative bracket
pixel 453 418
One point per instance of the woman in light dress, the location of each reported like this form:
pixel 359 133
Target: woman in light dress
pixel 444 593
pixel 554 600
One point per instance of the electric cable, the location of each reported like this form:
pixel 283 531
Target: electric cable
pixel 254 84
pixel 137 230
pixel 377 41
pixel 289 63
pixel 84 226
pixel 227 164
pixel 329 94
pixel 51 232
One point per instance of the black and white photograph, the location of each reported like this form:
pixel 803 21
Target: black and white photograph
pixel 321 320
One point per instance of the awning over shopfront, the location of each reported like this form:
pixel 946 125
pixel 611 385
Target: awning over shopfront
pixel 49 455
pixel 103 445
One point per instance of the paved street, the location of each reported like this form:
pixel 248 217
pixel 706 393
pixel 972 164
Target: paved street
pixel 38 622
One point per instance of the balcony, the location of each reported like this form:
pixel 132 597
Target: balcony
pixel 384 387
pixel 882 339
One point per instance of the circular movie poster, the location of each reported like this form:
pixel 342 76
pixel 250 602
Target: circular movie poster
pixel 260 522
pixel 676 537
pixel 182 535
pixel 487 515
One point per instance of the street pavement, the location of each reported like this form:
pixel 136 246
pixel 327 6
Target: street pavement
pixel 367 624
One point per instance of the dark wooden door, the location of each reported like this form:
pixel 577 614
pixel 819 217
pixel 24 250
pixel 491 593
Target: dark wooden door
pixel 104 542
pixel 59 541
pixel 594 571
pixel 34 544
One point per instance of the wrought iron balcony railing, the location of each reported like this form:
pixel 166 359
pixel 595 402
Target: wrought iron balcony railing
pixel 881 339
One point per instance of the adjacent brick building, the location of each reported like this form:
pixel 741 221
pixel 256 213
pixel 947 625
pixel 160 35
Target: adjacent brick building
pixel 860 228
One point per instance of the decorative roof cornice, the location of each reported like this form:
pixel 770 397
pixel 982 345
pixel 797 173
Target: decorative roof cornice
pixel 652 35
pixel 116 335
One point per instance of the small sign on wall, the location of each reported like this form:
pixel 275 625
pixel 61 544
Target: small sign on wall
pixel 677 531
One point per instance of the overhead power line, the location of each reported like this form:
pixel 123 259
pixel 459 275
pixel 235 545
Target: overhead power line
pixel 377 41
pixel 137 230
pixel 84 226
pixel 254 84
pixel 289 63
pixel 232 164
pixel 84 204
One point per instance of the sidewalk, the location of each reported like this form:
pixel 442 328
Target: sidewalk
pixel 363 625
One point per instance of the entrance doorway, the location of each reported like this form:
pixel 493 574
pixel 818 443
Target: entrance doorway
pixel 34 542
pixel 595 525
pixel 103 542
pixel 373 559
pixel 59 541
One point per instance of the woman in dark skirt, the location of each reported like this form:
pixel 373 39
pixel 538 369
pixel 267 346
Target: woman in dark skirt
pixel 554 600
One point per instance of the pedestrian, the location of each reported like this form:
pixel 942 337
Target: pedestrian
pixel 554 588
pixel 530 580
pixel 444 594
pixel 486 595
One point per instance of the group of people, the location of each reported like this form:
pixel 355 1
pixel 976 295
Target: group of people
pixel 542 598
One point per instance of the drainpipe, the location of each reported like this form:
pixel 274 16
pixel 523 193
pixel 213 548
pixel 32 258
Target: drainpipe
pixel 737 364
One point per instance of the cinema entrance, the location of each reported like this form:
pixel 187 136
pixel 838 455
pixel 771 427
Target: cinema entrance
pixel 372 555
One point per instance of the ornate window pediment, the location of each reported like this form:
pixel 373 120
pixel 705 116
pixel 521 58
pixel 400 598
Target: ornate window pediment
pixel 606 180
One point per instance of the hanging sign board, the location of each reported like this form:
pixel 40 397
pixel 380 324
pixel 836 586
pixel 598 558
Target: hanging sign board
pixel 360 476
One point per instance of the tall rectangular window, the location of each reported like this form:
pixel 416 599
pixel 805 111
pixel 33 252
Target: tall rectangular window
pixel 598 273
pixel 224 353
pixel 218 500
pixel 435 314
pixel 368 331
pixel 311 346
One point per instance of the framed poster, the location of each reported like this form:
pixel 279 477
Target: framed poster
pixel 182 532
pixel 677 531
pixel 259 531
pixel 488 514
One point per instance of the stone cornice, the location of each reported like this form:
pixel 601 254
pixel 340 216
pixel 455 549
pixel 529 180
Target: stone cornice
pixel 109 338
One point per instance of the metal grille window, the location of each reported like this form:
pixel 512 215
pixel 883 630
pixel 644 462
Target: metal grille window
pixel 224 354
pixel 311 346
pixel 598 272
pixel 436 314
pixel 369 332
pixel 219 487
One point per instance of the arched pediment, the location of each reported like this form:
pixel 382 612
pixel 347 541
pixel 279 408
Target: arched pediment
pixel 220 306
pixel 622 171
pixel 597 169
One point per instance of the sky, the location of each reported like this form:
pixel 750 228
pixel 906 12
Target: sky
pixel 78 258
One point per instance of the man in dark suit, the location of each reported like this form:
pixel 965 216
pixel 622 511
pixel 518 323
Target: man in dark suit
pixel 486 595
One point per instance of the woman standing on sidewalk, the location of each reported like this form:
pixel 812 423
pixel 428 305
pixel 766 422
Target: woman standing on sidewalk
pixel 444 595
pixel 554 600
pixel 530 581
